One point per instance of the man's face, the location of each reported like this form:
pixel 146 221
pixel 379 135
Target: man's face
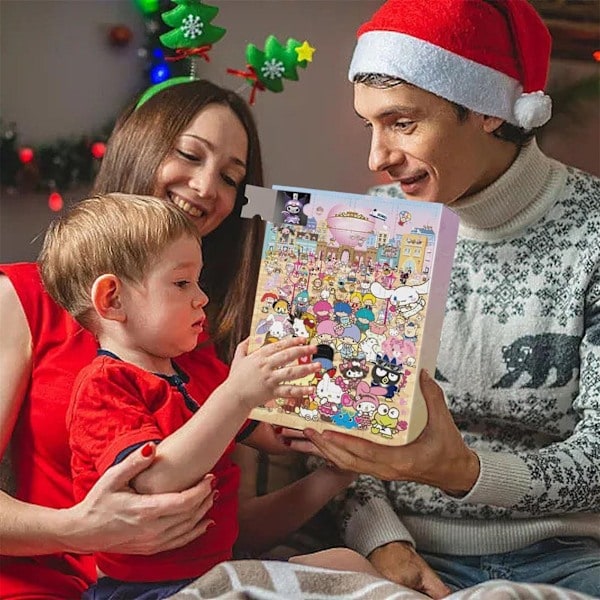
pixel 418 139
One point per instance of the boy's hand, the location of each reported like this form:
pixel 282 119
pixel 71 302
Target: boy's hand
pixel 266 373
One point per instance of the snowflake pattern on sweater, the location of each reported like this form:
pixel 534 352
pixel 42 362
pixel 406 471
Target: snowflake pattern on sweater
pixel 520 365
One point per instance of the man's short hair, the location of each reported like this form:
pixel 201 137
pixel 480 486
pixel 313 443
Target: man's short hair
pixel 506 131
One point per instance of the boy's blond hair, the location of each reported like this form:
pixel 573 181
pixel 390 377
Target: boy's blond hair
pixel 120 234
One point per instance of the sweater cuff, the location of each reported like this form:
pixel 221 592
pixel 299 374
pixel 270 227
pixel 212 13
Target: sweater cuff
pixel 503 481
pixel 375 524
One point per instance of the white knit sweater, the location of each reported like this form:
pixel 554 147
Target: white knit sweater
pixel 520 364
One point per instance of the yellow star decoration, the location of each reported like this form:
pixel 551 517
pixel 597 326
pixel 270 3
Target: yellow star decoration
pixel 305 52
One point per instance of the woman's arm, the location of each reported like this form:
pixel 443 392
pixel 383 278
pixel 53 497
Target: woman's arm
pixel 15 359
pixel 112 517
pixel 266 520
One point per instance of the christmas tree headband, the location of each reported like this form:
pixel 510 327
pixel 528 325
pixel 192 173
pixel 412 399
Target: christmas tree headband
pixel 193 35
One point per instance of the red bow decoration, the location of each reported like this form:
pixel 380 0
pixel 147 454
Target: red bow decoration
pixel 330 372
pixel 249 74
pixel 181 53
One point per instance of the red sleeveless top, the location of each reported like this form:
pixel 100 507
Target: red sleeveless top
pixel 40 449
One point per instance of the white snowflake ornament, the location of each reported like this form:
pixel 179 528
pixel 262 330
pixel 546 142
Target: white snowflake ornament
pixel 272 69
pixel 192 26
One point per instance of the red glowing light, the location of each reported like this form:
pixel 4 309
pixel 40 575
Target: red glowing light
pixel 596 55
pixel 55 201
pixel 25 155
pixel 98 149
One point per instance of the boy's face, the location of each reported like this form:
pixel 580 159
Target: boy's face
pixel 418 139
pixel 165 313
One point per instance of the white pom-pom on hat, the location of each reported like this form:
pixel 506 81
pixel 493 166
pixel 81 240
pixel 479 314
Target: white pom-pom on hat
pixel 533 110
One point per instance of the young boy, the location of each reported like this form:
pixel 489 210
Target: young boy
pixel 127 268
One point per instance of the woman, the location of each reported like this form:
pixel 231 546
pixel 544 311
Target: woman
pixel 149 140
pixel 196 145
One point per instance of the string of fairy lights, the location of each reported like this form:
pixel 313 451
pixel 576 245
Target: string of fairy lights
pixel 57 166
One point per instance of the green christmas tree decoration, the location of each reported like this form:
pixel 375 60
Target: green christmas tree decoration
pixel 191 23
pixel 275 63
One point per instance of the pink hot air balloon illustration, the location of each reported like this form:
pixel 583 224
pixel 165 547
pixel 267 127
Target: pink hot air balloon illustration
pixel 348 226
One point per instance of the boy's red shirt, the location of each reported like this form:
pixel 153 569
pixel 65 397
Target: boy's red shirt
pixel 117 406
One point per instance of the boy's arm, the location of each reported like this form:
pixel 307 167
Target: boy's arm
pixel 266 520
pixel 186 455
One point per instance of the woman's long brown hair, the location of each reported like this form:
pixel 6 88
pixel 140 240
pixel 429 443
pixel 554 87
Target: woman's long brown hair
pixel 140 142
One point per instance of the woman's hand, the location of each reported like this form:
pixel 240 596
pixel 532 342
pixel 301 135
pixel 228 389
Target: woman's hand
pixel 114 518
pixel 438 457
pixel 267 438
pixel 399 562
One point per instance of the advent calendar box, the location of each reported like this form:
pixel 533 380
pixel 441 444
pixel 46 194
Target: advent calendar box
pixel 364 278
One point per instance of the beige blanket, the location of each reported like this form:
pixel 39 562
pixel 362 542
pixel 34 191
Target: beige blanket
pixel 274 580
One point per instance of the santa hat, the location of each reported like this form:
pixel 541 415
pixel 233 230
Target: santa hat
pixel 489 56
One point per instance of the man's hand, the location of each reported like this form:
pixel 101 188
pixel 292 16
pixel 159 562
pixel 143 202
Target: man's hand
pixel 399 562
pixel 438 457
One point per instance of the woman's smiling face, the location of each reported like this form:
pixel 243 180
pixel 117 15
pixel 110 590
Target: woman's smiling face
pixel 204 170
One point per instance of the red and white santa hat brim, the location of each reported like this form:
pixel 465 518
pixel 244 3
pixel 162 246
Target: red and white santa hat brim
pixel 491 57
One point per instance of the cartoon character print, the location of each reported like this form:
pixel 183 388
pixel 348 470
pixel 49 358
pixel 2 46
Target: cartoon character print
pixel 329 397
pixel 353 370
pixel 301 301
pixel 347 344
pixel 387 373
pixel 399 348
pixel 406 299
pixel 292 210
pixel 275 328
pixel 370 346
pixel 281 306
pixel 361 313
pixel 342 313
pixel 364 318
pixel 322 310
pixel 304 325
pixel 365 405
pixel 324 356
pixel 308 410
pixel 266 301
pixel 385 421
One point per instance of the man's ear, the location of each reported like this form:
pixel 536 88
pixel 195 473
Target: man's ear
pixel 106 298
pixel 490 124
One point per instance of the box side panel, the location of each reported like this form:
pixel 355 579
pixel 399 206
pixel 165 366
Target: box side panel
pixel 443 259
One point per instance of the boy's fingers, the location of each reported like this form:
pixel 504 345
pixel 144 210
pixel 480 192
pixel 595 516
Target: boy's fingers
pixel 295 391
pixel 284 344
pixel 285 357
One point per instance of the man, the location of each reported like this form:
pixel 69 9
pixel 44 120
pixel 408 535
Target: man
pixel 504 482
